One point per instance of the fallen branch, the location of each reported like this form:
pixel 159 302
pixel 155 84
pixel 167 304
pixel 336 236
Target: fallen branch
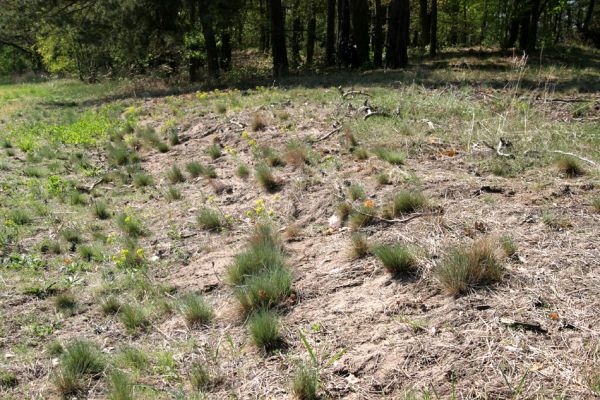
pixel 396 220
pixel 352 93
pixel 329 133
pixel 212 130
pixel 498 149
pixel 576 156
pixel 92 187
pixel 371 113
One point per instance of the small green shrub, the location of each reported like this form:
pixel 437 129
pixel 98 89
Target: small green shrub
pixel 110 306
pixel 77 199
pixel 66 303
pixel 397 259
pixel 194 168
pixel 173 194
pixel 49 246
pixel 265 178
pixel 360 245
pixel 34 172
pixel 79 359
pixel 131 225
pixel 269 156
pixel 55 349
pixel 391 156
pixel 162 147
pixel 356 192
pixel 361 153
pixel 200 378
pixel 134 358
pixel 508 245
pixel 305 383
pixel 383 179
pixel 120 387
pixel 214 151
pixel 133 317
pixel 89 253
pixel 209 172
pixel 569 166
pixel 19 216
pixel 407 202
pixel 100 210
pixel 174 137
pixel 361 216
pixel 72 236
pixel 264 330
pixel 195 310
pixel 174 175
pixel 265 290
pixel 242 171
pixel 253 260
pixel 209 219
pixel 143 179
pixel 465 268
pixel 7 379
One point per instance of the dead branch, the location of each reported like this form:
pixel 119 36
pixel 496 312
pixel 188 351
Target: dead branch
pixel 329 133
pixel 92 187
pixel 498 149
pixel 576 156
pixel 370 113
pixel 396 220
pixel 355 93
pixel 212 130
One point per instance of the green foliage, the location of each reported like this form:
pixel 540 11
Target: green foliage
pixel 111 305
pixel 194 168
pixel 195 310
pixel 174 175
pixel 72 236
pixel 360 245
pixel 79 359
pixel 66 303
pixel 242 171
pixel 596 204
pixel 173 193
pixel 209 219
pixel 143 179
pixel 19 216
pixel 265 290
pixel 200 378
pixel 265 177
pixel 120 387
pixel 100 209
pixel 356 192
pixel 396 258
pixel 361 216
pixel 131 225
pixel 7 379
pixel 133 317
pixel 407 202
pixel 305 382
pixel 214 151
pixel 391 156
pixel 264 329
pixel 569 166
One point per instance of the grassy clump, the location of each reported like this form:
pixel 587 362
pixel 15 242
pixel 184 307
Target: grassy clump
pixel 264 330
pixel 555 222
pixel 77 199
pixel 131 225
pixel 49 246
pixel 258 122
pixel 296 153
pixel 174 175
pixel 173 194
pixel 174 137
pixel 209 172
pixel 465 268
pixel 134 358
pixel 121 155
pixel 383 179
pixel 65 303
pixel 396 258
pixel 100 210
pixel 265 177
pixel 391 156
pixel 209 219
pixel 19 216
pixel 214 151
pixel 596 204
pixel 81 358
pixel 194 168
pixel 89 253
pixel 360 245
pixel 406 202
pixel 143 179
pixel 265 290
pixel 72 236
pixel 361 153
pixel 195 310
pixel 356 192
pixel 120 386
pixel 133 317
pixel 200 378
pixel 242 171
pixel 270 156
pixel 305 383
pixel 7 379
pixel 569 166
pixel 361 216
pixel 110 306
pixel 508 245
pixel 343 210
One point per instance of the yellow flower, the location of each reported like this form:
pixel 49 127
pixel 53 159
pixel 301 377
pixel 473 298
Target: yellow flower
pixel 369 203
pixel 140 252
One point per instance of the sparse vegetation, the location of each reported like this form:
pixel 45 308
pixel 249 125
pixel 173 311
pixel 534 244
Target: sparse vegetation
pixel 65 303
pixel 209 219
pixel 360 245
pixel 173 194
pixel 265 177
pixel 100 209
pixel 214 151
pixel 194 168
pixel 195 310
pixel 305 382
pixel 406 202
pixel 356 192
pixel 79 359
pixel 200 378
pixel 131 225
pixel 264 329
pixel 143 179
pixel 133 318
pixel 396 258
pixel 174 175
pixel 569 166
pixel 242 171
pixel 120 387
pixel 391 156
pixel 111 305
pixel 258 122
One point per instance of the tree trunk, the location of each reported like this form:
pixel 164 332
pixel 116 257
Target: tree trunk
pixel 263 45
pixel 311 35
pixel 212 55
pixel 195 62
pixel 360 29
pixel 484 22
pixel 378 34
pixel 225 56
pixel 433 34
pixel 330 40
pixel 296 39
pixel 279 50
pixel 454 11
pixel 398 34
pixel 425 19
pixel 588 16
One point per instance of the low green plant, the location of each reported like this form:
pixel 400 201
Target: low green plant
pixel 200 378
pixel 242 171
pixel 7 379
pixel 194 168
pixel 162 147
pixel 356 192
pixel 209 219
pixel 19 216
pixel 55 349
pixel 65 303
pixel 80 358
pixel 133 317
pixel 209 172
pixel 305 382
pixel 110 306
pixel 360 153
pixel 173 194
pixel 72 236
pixel 90 252
pixel 508 245
pixel 406 202
pixel 49 246
pixel 265 290
pixel 360 245
pixel 264 330
pixel 383 179
pixel 195 310
pixel 214 151
pixel 569 166
pixel 77 199
pixel 174 175
pixel 466 268
pixel 396 258
pixel 174 137
pixel 143 179
pixel 343 210
pixel 120 386
pixel 34 172
pixel 131 225
pixel 391 156
pixel 265 177
pixel 254 260
pixel 258 122
pixel 596 204
pixel 100 210
pixel 269 156
pixel 134 358
pixel 361 216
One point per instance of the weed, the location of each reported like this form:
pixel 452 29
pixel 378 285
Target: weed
pixel 242 171
pixel 143 179
pixel 361 153
pixel 89 253
pixel 194 168
pixel 555 222
pixel 383 179
pixel 79 359
pixel 254 260
pixel 120 387
pixel 133 317
pixel 266 289
pixel 360 245
pixel 162 147
pixel 195 310
pixel 265 177
pixel 406 202
pixel 34 172
pixel 465 268
pixel 209 219
pixel 356 192
pixel 391 156
pixel 134 358
pixel 120 155
pixel 111 305
pixel 209 172
pixel 77 199
pixel 100 209
pixel 343 210
pixel 49 246
pixel 19 216
pixel 7 379
pixel 305 382
pixel 596 204
pixel 296 153
pixel 258 122
pixel 55 349
pixel 508 245
pixel 174 175
pixel 65 303
pixel 6 144
pixel 200 378
pixel 174 138
pixel 264 329
pixel 361 216
pixel 214 151
pixel 173 193
pixel 221 108
pixel 569 166
pixel 131 225
pixel 72 236
pixel 396 258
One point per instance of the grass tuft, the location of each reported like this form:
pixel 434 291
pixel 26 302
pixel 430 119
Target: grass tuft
pixel 100 210
pixel 569 166
pixel 173 194
pixel 79 359
pixel 195 310
pixel 305 383
pixel 65 303
pixel 596 204
pixel 110 306
pixel 356 192
pixel 360 245
pixel 396 258
pixel 361 216
pixel 19 216
pixel 143 179
pixel 242 171
pixel 407 202
pixel 120 386
pixel 200 378
pixel 131 225
pixel 258 122
pixel 391 156
pixel 174 175
pixel 265 177
pixel 133 317
pixel 465 268
pixel 194 168
pixel 209 219
pixel 214 151
pixel 264 330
